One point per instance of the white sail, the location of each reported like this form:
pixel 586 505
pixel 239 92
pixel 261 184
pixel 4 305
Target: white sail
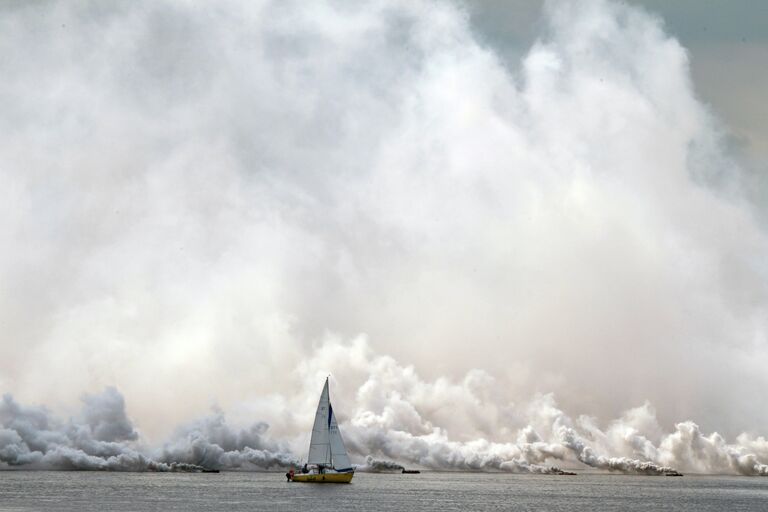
pixel 320 444
pixel 338 451
pixel 326 447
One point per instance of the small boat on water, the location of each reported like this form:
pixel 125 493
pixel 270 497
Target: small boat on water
pixel 328 461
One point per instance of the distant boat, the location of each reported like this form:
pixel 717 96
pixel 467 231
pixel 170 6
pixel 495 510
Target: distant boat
pixel 327 461
pixel 410 471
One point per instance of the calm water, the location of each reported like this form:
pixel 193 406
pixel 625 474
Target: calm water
pixel 89 491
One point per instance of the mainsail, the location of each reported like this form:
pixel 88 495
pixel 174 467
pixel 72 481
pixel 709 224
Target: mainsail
pixel 326 448
pixel 320 444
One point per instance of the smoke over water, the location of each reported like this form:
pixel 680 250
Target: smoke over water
pixel 393 419
pixel 103 438
pixel 210 204
pixel 372 465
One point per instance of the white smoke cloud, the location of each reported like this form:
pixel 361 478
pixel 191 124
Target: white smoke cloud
pixel 397 415
pixel 402 422
pixel 190 196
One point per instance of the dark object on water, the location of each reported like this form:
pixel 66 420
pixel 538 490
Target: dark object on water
pixel 673 473
pixel 210 471
pixel 563 472
pixel 411 471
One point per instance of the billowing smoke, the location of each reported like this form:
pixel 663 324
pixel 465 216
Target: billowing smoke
pixel 372 465
pixel 390 417
pixel 394 414
pixel 437 451
pixel 103 438
pixel 712 453
pixel 192 196
pixel 584 453
pixel 211 443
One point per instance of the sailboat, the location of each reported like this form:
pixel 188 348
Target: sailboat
pixel 328 461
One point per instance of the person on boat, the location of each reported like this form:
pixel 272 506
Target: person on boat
pixel 305 469
pixel 289 475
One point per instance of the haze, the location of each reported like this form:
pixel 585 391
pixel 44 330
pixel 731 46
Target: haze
pixel 221 204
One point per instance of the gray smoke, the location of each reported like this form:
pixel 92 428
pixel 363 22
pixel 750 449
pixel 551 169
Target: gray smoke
pixel 585 454
pixel 211 443
pixel 241 163
pixel 105 416
pixel 103 438
pixel 372 465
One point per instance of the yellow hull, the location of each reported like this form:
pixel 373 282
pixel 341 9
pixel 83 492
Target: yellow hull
pixel 325 478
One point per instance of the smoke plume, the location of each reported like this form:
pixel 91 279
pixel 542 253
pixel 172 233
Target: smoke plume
pixel 372 465
pixel 393 418
pixel 103 438
pixel 211 443
pixel 210 203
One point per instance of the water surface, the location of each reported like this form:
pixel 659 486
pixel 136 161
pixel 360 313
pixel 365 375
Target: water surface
pixel 240 491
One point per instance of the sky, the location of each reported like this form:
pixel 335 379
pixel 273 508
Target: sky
pixel 726 41
pixel 727 46
pixel 513 233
